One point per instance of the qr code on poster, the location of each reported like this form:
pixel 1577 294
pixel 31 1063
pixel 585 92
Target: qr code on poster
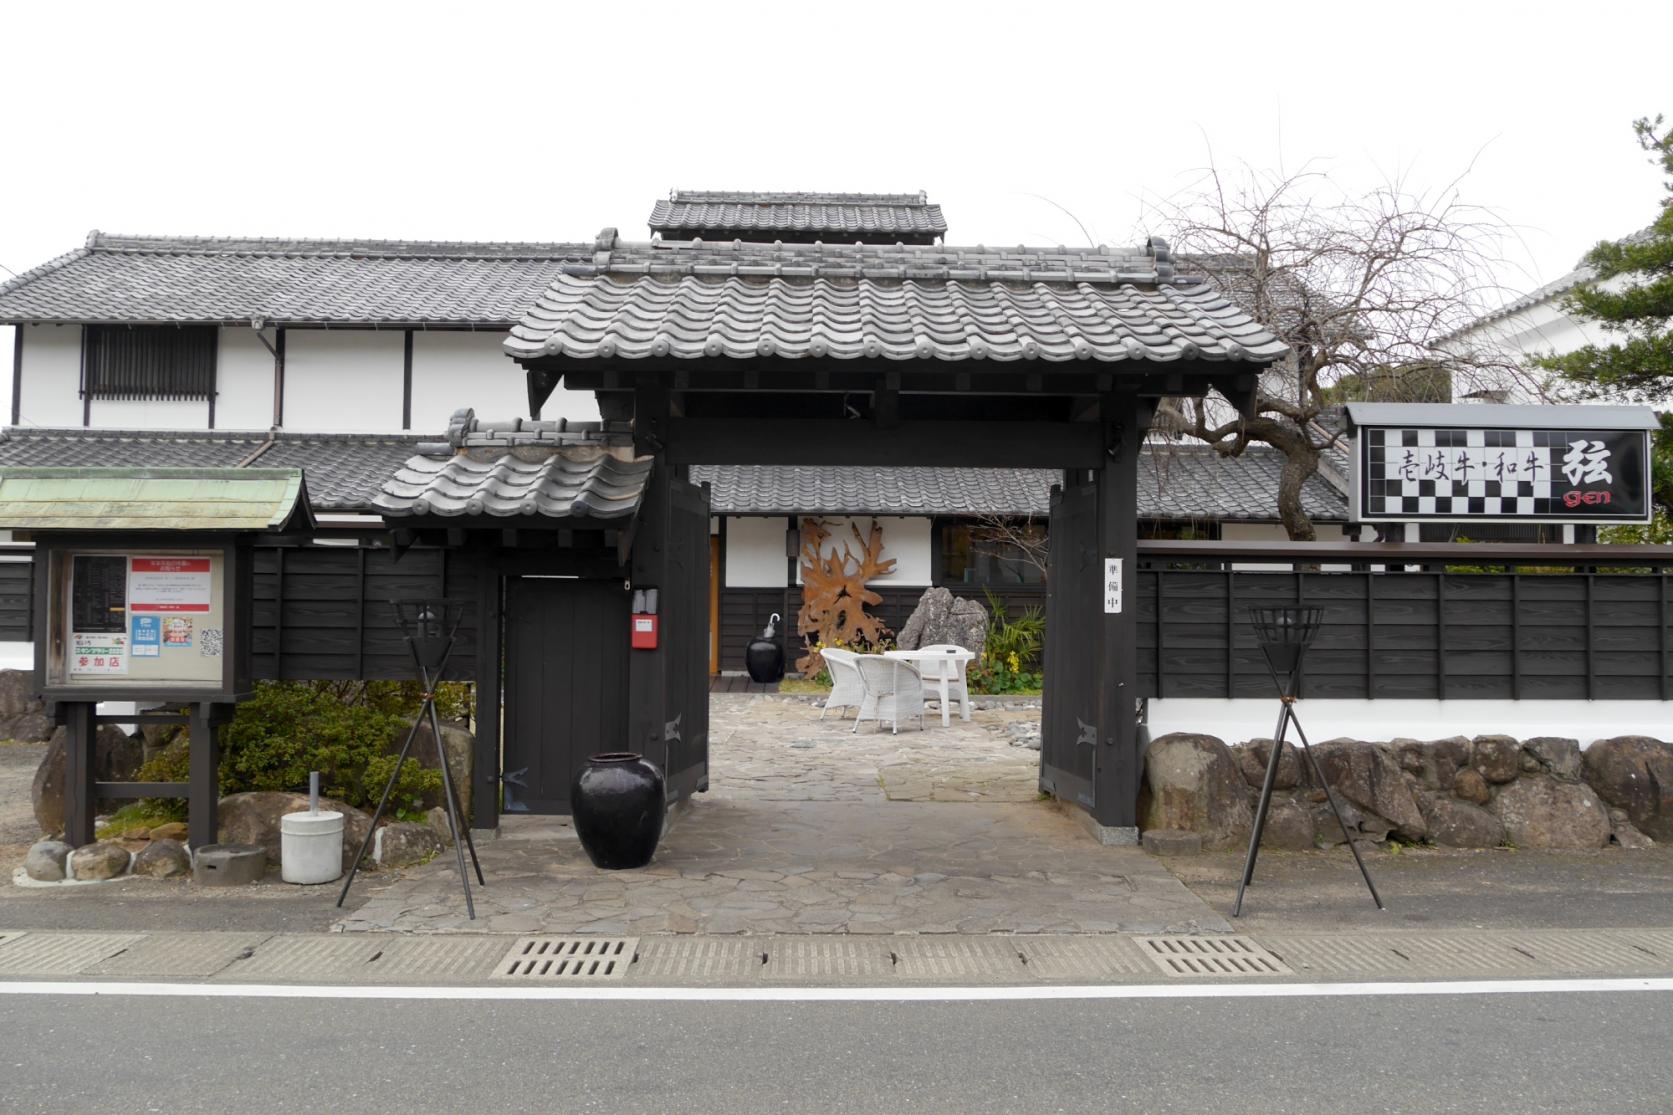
pixel 210 640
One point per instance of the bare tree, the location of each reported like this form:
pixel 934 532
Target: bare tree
pixel 1010 538
pixel 1364 288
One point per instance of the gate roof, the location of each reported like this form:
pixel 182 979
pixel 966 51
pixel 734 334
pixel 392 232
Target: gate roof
pixel 757 215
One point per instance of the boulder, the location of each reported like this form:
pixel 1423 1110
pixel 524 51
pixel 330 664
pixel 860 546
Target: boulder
pixel 941 617
pixel 1635 773
pixel 1433 764
pixel 174 830
pixel 45 861
pixel 436 818
pixel 1257 753
pixel 163 859
pixel 1328 831
pixel 1458 824
pixel 104 860
pixel 1558 757
pixel 1369 776
pixel 1545 813
pixel 1472 787
pixel 253 818
pixel 400 843
pixel 1191 782
pixel 22 716
pixel 155 738
pixel 1289 826
pixel 460 746
pixel 116 758
pixel 1628 836
pixel 1498 758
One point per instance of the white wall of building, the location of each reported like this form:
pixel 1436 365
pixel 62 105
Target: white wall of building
pixel 344 380
pixel 1236 721
pixel 754 552
pixel 906 540
pixel 149 414
pixel 243 380
pixel 51 373
pixel 453 370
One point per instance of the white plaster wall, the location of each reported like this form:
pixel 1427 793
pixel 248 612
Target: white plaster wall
pixel 1243 719
pixel 243 380
pixel 453 370
pixel 17 656
pixel 51 376
pixel 754 552
pixel 906 540
pixel 149 414
pixel 345 380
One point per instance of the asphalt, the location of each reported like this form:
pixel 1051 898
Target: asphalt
pixel 1478 1054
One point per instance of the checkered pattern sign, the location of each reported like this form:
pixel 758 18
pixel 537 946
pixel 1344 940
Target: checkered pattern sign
pixel 1462 474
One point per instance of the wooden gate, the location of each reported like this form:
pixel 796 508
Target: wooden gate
pixel 686 623
pixel 566 648
pixel 1069 732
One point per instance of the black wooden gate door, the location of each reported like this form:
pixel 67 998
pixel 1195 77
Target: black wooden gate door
pixel 1069 732
pixel 566 648
pixel 686 623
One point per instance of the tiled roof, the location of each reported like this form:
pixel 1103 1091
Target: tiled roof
pixel 155 279
pixel 687 300
pixel 907 218
pixel 1175 482
pixel 343 471
pixel 519 468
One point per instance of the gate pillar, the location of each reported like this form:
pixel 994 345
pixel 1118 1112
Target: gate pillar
pixel 1117 762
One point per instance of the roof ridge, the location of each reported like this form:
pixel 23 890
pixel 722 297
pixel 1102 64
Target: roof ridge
pixel 158 244
pixel 796 197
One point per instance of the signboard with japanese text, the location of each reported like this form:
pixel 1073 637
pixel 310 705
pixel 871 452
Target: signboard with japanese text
pixel 1462 474
pixel 98 654
pixel 168 584
pixel 1112 586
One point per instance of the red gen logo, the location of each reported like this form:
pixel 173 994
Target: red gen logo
pixel 1585 499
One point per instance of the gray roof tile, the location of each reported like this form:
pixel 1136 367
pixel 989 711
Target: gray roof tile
pixel 907 218
pixel 1176 482
pixel 151 279
pixel 563 482
pixel 342 471
pixel 742 300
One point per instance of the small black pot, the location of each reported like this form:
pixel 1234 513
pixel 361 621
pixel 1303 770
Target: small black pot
pixel 765 661
pixel 617 803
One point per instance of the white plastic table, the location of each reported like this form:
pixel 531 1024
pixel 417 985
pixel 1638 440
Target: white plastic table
pixel 957 657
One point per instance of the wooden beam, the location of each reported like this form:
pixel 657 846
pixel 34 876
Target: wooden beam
pixel 969 444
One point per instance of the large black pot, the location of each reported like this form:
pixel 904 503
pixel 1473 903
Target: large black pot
pixel 617 804
pixel 764 659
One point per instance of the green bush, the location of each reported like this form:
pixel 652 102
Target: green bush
pixel 1010 661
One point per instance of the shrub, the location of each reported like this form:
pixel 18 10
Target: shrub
pixel 1010 661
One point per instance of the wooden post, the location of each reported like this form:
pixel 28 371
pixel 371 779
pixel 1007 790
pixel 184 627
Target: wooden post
pixel 80 754
pixel 1117 765
pixel 485 789
pixel 647 670
pixel 202 820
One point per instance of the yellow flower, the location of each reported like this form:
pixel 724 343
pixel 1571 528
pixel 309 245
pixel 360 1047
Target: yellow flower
pixel 1016 663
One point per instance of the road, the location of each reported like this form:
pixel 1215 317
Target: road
pixel 1537 1052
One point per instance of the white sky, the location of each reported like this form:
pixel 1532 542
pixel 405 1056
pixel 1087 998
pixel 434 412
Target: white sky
pixel 550 121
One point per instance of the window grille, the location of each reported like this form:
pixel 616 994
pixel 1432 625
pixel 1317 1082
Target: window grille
pixel 149 362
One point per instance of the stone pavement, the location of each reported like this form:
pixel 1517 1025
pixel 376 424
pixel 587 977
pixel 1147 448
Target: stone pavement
pixel 809 828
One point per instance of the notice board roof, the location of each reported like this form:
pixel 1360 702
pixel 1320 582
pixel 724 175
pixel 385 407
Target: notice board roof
pixel 1509 416
pixel 159 499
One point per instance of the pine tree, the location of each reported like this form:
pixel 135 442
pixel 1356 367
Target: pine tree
pixel 1630 298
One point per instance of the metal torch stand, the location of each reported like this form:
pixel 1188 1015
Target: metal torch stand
pixel 1287 687
pixel 455 815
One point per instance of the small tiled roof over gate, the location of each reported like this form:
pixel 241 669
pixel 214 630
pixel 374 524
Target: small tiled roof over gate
pixel 798 216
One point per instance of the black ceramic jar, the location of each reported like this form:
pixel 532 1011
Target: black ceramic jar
pixel 764 659
pixel 617 804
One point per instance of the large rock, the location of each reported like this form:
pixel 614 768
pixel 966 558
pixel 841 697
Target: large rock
pixel 104 860
pixel 941 617
pixel 400 843
pixel 163 859
pixel 1472 787
pixel 253 818
pixel 1191 782
pixel 22 716
pixel 1369 776
pixel 1289 825
pixel 1635 773
pixel 1558 757
pixel 1544 813
pixel 1458 824
pixel 116 758
pixel 45 861
pixel 460 746
pixel 1433 763
pixel 1498 758
pixel 1253 757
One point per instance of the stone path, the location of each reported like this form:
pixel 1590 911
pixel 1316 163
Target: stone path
pixel 809 828
pixel 18 829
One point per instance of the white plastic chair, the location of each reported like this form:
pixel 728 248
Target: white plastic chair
pixel 847 690
pixel 894 691
pixel 945 679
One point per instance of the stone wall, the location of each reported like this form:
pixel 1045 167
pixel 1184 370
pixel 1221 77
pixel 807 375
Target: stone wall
pixel 1544 792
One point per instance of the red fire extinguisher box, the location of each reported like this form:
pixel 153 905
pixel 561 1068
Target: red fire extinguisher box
pixel 644 631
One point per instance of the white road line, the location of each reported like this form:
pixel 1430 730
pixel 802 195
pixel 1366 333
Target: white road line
pixel 837 994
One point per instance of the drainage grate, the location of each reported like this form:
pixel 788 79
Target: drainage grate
pixel 1211 956
pixel 567 958
pixel 9 935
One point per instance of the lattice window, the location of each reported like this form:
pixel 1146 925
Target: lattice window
pixel 149 362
